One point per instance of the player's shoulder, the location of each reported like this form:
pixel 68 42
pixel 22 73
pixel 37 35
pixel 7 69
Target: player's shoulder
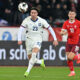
pixel 40 18
pixel 67 21
pixel 27 18
pixel 77 20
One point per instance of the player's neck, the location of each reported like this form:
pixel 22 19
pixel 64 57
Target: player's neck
pixel 34 19
pixel 71 20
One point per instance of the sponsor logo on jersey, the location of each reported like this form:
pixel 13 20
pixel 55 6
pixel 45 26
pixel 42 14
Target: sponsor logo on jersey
pixel 39 24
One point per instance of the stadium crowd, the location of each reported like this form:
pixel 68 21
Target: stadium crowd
pixel 54 11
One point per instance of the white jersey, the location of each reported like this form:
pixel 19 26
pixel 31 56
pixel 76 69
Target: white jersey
pixel 34 28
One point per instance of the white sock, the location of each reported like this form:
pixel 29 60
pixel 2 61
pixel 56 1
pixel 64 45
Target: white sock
pixel 31 62
pixel 38 61
pixel 72 71
pixel 33 56
pixel 29 67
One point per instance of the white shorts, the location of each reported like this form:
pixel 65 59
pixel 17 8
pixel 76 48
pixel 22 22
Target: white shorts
pixel 31 43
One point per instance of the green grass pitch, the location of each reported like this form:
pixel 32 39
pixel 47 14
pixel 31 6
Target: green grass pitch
pixel 37 73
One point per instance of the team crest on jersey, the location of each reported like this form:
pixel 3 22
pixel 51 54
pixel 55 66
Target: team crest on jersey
pixel 71 26
pixel 39 24
pixel 67 25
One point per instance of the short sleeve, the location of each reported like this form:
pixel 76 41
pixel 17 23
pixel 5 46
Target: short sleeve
pixel 45 23
pixel 24 23
pixel 64 27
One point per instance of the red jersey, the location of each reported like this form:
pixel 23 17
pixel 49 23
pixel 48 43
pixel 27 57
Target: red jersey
pixel 73 30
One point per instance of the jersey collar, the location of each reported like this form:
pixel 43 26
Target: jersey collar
pixel 71 22
pixel 33 20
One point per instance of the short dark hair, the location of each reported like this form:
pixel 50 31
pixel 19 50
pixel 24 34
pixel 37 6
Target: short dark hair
pixel 34 8
pixel 72 11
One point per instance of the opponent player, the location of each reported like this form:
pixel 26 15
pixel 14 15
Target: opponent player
pixel 71 27
pixel 34 26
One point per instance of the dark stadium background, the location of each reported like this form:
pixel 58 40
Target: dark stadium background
pixel 54 11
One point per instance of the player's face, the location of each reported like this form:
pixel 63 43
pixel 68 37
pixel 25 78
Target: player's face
pixel 72 15
pixel 34 13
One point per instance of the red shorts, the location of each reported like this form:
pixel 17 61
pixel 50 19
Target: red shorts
pixel 72 48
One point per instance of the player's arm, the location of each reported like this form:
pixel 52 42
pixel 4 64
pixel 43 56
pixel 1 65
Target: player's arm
pixel 46 25
pixel 64 29
pixel 55 42
pixel 63 32
pixel 21 29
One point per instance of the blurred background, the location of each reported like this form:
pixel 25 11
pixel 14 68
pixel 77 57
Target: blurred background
pixel 54 11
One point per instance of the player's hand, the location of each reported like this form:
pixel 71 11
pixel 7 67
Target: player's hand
pixel 55 42
pixel 63 33
pixel 19 42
